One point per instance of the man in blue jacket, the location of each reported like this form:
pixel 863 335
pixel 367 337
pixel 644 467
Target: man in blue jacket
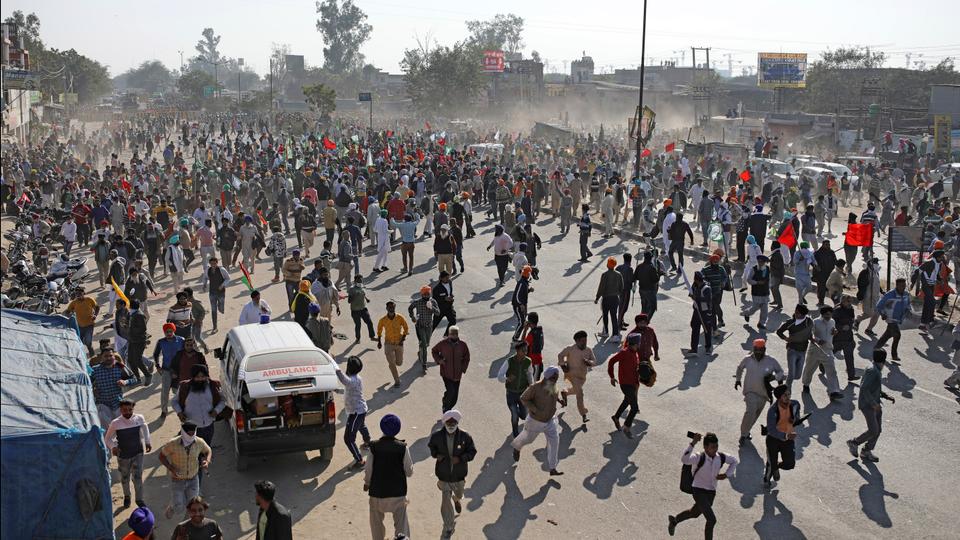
pixel 869 404
pixel 893 307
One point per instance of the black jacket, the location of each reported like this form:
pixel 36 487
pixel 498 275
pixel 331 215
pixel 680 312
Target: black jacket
pixel 647 277
pixel 279 523
pixel 463 448
pixel 441 296
pixel 137 327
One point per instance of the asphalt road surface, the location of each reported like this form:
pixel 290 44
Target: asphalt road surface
pixel 612 485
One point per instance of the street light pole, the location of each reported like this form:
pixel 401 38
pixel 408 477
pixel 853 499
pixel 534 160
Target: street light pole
pixel 643 53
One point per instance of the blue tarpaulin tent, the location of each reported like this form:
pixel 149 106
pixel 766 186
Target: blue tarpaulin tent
pixel 54 480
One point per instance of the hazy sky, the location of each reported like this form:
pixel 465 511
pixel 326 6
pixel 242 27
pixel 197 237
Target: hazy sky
pixel 123 33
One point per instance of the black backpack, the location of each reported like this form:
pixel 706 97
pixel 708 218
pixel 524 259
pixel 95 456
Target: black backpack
pixel 687 472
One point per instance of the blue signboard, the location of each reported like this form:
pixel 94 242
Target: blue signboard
pixel 782 70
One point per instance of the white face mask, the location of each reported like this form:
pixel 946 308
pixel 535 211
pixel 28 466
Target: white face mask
pixel 451 429
pixel 187 438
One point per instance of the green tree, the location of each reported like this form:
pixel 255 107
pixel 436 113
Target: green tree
pixel 151 76
pixel 29 27
pixel 192 83
pixel 442 79
pixel 320 98
pixel 278 64
pixel 60 71
pixel 208 47
pixel 344 30
pixel 502 32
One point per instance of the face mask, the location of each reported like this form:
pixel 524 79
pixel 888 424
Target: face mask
pixel 198 386
pixel 187 438
pixel 451 429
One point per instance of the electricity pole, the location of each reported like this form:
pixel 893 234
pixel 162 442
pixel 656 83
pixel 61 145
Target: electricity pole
pixel 643 54
pixel 271 83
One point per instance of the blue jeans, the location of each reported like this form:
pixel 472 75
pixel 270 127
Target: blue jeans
pixel 183 491
pixel 86 336
pixel 517 411
pixel 217 304
pixel 795 361
pixel 355 423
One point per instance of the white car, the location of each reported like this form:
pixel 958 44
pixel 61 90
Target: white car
pixel 838 168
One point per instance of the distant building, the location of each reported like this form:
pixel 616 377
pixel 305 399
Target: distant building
pixel 521 82
pixel 581 71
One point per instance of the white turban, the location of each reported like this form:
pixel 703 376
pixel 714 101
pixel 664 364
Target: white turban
pixel 452 414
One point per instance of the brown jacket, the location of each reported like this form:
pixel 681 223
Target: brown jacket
pixel 452 357
pixel 540 402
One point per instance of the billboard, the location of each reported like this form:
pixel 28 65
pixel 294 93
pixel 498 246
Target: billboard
pixel 295 64
pixel 782 70
pixel 941 133
pixel 493 61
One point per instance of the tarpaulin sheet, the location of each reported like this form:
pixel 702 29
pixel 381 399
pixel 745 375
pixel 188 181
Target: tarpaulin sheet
pixel 54 480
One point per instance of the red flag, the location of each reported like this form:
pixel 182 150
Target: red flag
pixel 328 144
pixel 23 199
pixel 260 215
pixel 788 237
pixel 745 176
pixel 389 133
pixel 125 185
pixel 400 150
pixel 860 234
pixel 420 155
pixel 427 125
pixel 646 153
pixel 670 147
pixel 441 141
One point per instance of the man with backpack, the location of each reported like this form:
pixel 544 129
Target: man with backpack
pixel 699 478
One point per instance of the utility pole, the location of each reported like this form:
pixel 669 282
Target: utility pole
pixel 271 83
pixel 181 61
pixel 643 54
pixel 239 73
pixel 704 92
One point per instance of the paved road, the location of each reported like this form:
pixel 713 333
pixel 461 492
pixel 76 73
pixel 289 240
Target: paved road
pixel 612 485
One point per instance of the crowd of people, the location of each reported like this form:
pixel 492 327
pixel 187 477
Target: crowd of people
pixel 238 197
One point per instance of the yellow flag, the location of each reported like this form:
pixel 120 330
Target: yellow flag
pixel 120 294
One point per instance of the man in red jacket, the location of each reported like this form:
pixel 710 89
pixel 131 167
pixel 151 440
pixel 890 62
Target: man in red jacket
pixel 629 360
pixel 453 356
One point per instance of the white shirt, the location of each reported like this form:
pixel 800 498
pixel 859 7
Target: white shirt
pixel 705 477
pixel 667 223
pixel 823 331
pixel 69 231
pixel 250 314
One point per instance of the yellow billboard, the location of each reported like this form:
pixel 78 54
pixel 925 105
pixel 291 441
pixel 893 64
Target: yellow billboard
pixel 941 133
